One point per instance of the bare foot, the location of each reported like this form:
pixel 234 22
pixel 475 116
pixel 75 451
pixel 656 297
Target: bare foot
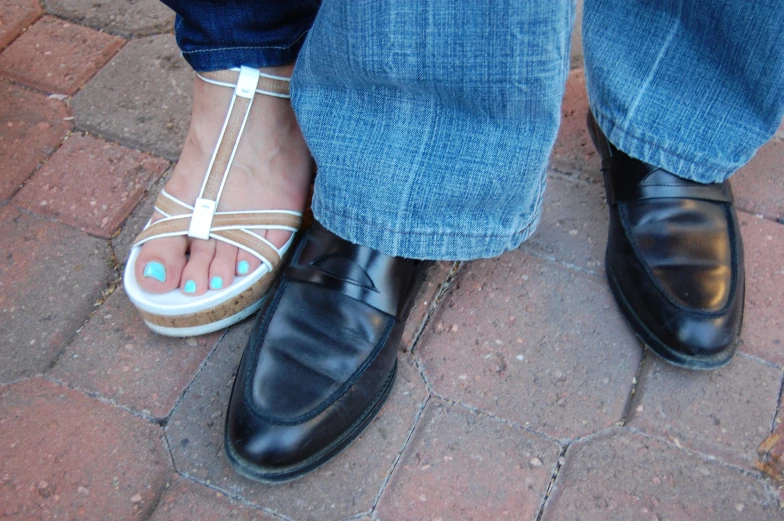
pixel 271 171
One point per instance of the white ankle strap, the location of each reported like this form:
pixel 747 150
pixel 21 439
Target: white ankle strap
pixel 270 85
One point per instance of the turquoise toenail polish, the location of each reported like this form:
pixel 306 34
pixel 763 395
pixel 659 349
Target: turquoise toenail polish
pixel 243 267
pixel 190 287
pixel 216 283
pixel 155 270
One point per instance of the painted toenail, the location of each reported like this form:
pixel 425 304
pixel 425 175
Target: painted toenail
pixel 243 267
pixel 216 283
pixel 155 270
pixel 190 287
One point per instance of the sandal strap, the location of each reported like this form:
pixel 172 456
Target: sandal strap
pixel 268 84
pixel 201 220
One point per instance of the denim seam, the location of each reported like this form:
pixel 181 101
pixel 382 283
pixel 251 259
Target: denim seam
pixel 345 217
pixel 645 141
pixel 297 39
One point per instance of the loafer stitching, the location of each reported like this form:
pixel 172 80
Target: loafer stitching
pixel 733 267
pixel 331 399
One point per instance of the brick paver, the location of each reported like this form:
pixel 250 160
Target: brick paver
pixel 133 226
pixel 344 487
pixel 621 476
pixel 57 56
pixel 726 413
pixel 574 224
pixel 31 128
pixel 50 277
pixel 124 17
pixel 424 301
pixel 185 500
pixel 533 343
pixel 66 456
pixel 463 465
pixel 91 184
pixel 118 357
pixel 141 98
pixel 758 186
pixel 15 15
pixel 573 153
pixel 763 320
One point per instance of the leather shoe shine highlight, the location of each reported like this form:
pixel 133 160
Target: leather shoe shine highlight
pixel 674 259
pixel 322 357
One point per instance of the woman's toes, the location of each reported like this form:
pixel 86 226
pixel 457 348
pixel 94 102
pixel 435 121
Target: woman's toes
pixel 194 279
pixel 160 264
pixel 246 263
pixel 223 266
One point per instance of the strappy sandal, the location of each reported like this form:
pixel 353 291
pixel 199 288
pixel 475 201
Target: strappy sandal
pixel 174 313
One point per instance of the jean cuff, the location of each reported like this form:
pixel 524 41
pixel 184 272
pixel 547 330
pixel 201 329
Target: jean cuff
pixel 441 245
pixel 221 58
pixel 665 153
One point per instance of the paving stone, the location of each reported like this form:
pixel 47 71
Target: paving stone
pixel 435 279
pixel 57 56
pixel 573 153
pixel 66 456
pixel 462 465
pixel 91 184
pixel 725 413
pixel 534 343
pixel 573 228
pixel 620 476
pixel 759 186
pixel 50 277
pixel 118 357
pixel 141 98
pixel 344 487
pixel 185 500
pixel 763 321
pixel 15 15
pixel 129 18
pixel 33 125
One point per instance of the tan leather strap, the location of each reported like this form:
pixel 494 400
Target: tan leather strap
pixel 170 206
pixel 268 84
pixel 254 244
pixel 179 225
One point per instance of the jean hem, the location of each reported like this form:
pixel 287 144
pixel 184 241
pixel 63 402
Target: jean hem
pixel 437 245
pixel 645 148
pixel 227 57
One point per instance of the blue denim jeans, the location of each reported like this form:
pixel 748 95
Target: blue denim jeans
pixel 431 121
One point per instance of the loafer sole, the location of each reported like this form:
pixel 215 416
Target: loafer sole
pixel 661 349
pixel 279 475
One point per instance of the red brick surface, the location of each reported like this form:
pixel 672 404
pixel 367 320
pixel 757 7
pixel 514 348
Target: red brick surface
pixel 573 152
pixel 50 277
pixel 31 127
pixel 759 186
pixel 435 279
pixel 462 465
pixel 57 56
pixel 66 456
pixel 726 413
pixel 118 357
pixel 185 500
pixel 534 343
pixel 15 15
pixel 763 321
pixel 622 476
pixel 91 184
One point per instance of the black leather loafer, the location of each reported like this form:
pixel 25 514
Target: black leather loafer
pixel 674 259
pixel 322 357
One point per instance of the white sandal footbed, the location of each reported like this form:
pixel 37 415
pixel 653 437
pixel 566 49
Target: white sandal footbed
pixel 175 313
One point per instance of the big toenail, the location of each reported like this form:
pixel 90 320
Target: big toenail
pixel 216 283
pixel 190 287
pixel 243 267
pixel 155 270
